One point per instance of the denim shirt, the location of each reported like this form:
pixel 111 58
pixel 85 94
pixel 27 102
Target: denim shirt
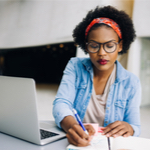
pixel 76 88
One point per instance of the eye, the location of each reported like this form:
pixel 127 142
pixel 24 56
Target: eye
pixel 110 45
pixel 93 45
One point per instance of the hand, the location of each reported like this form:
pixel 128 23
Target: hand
pixel 90 129
pixel 118 128
pixel 78 137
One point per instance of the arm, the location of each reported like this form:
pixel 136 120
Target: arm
pixel 63 103
pixel 62 109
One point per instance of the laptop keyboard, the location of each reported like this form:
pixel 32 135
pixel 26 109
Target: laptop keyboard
pixel 47 134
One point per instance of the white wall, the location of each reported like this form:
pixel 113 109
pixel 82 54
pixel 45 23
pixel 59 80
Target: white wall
pixel 139 56
pixel 34 22
pixel 141 14
pixel 134 57
pixel 145 71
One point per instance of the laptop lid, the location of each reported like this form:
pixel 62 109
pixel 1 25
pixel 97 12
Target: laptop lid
pixel 18 109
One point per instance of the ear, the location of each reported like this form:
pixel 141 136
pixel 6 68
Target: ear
pixel 120 46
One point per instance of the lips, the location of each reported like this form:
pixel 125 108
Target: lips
pixel 102 61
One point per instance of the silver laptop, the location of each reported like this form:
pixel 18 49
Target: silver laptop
pixel 18 112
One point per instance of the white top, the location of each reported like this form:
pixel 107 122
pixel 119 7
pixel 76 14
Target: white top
pixel 95 112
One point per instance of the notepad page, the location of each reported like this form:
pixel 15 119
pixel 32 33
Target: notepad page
pixel 98 142
pixel 130 143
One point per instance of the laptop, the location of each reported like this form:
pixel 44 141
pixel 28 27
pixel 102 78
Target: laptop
pixel 18 112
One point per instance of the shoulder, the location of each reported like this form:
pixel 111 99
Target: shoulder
pixel 78 62
pixel 132 81
pixel 128 79
pixel 132 77
pixel 78 59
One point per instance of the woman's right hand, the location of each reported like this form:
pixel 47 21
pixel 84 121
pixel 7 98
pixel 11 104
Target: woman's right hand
pixel 75 133
pixel 77 136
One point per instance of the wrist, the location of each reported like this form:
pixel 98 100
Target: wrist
pixel 131 130
pixel 68 122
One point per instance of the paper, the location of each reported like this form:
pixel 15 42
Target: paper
pixel 98 142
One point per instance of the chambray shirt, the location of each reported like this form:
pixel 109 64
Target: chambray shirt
pixel 76 88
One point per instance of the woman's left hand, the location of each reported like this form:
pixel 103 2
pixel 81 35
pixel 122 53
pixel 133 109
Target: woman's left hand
pixel 118 128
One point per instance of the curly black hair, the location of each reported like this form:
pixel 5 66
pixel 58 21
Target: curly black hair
pixel 120 17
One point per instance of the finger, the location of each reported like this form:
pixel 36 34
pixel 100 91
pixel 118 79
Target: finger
pixel 75 139
pixel 121 129
pixel 80 132
pixel 111 127
pixel 117 131
pixel 80 141
pixel 70 140
pixel 126 134
pixel 90 129
pixel 76 142
pixel 102 128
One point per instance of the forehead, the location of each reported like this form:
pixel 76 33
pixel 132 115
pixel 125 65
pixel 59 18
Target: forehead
pixel 102 34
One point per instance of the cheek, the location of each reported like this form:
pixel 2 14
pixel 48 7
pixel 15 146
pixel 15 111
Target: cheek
pixel 114 56
pixel 93 59
pixel 92 56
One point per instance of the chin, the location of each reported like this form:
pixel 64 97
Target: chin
pixel 103 68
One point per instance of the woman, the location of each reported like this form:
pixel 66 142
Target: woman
pixel 99 88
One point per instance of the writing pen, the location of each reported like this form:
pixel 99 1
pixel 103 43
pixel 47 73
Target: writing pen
pixel 79 121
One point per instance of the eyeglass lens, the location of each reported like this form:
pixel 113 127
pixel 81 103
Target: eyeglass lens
pixel 108 47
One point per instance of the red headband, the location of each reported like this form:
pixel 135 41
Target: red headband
pixel 106 21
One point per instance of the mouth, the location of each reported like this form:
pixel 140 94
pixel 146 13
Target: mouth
pixel 102 61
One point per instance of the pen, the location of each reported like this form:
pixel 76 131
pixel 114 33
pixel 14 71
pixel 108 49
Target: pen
pixel 108 143
pixel 79 120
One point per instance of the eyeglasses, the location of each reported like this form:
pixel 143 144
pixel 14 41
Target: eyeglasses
pixel 94 47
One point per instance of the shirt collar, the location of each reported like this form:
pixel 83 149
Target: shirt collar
pixel 88 64
pixel 121 74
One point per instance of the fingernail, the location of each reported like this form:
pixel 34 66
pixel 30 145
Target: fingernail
pixel 115 136
pixel 107 135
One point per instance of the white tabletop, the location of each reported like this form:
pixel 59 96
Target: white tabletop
pixel 11 143
pixel 8 142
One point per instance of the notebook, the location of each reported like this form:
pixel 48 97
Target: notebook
pixel 100 142
pixel 18 112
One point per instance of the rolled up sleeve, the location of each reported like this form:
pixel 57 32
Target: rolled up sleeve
pixel 63 103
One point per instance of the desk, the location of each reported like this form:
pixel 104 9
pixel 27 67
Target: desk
pixel 8 142
pixel 11 143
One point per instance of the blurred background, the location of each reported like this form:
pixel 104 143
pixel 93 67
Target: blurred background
pixel 36 42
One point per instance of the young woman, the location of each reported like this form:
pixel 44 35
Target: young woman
pixel 99 88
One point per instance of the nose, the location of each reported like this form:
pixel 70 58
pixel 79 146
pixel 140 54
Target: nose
pixel 101 50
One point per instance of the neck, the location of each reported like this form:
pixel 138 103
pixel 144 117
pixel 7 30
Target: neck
pixel 103 75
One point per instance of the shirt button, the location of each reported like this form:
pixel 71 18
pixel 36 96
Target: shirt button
pixel 106 121
pixel 107 107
